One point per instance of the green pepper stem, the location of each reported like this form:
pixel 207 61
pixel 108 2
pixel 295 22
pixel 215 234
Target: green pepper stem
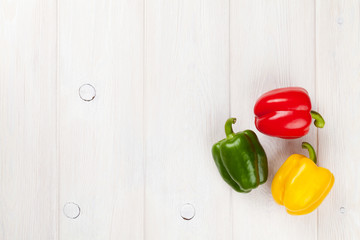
pixel 312 154
pixel 228 127
pixel 319 121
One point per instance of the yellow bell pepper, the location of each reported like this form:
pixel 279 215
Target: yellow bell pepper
pixel 300 185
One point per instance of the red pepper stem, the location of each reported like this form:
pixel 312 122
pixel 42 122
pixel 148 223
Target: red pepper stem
pixel 319 121
pixel 228 127
pixel 312 154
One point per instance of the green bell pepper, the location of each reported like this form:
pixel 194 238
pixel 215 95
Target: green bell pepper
pixel 240 159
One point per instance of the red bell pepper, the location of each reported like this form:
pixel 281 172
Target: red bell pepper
pixel 285 113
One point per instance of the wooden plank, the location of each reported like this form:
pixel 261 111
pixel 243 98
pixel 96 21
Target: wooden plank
pixel 101 149
pixel 187 104
pixel 28 164
pixel 338 93
pixel 272 45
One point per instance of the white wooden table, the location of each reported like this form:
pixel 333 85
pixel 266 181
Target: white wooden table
pixel 167 74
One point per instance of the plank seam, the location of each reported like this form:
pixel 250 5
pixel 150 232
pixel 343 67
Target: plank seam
pixel 57 134
pixel 143 118
pixel 229 92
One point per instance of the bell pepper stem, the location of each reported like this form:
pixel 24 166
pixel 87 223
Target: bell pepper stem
pixel 319 121
pixel 228 127
pixel 312 154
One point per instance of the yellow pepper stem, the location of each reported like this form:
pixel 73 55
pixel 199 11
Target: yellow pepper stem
pixel 312 154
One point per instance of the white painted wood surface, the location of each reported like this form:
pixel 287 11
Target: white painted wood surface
pixel 101 142
pixel 167 75
pixel 271 46
pixel 186 97
pixel 28 163
pixel 338 94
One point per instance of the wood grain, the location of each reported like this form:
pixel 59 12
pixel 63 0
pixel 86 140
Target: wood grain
pixel 101 141
pixel 28 166
pixel 272 45
pixel 186 105
pixel 167 75
pixel 338 92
